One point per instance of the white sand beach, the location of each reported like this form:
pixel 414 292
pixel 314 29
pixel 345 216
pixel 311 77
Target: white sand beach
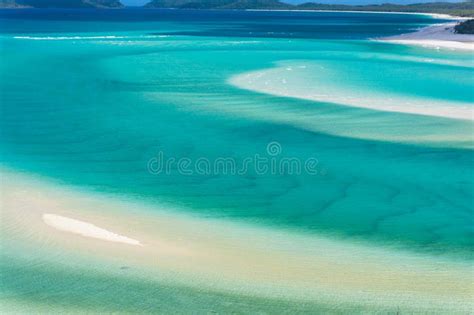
pixel 43 218
pixel 434 15
pixel 440 36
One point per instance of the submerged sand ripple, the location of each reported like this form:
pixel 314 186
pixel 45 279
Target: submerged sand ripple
pixel 224 256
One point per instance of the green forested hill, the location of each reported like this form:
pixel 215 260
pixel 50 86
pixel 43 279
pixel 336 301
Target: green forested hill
pixel 219 4
pixel 61 3
pixel 459 9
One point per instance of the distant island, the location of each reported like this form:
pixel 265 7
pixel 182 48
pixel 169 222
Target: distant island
pixel 61 4
pixel 457 9
pixel 221 4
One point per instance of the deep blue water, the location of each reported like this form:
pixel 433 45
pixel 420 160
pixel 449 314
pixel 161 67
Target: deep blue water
pixel 327 25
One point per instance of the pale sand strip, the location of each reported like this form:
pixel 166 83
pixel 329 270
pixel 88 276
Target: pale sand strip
pixel 85 229
pixel 437 36
pixel 433 15
pixel 225 256
pixel 269 81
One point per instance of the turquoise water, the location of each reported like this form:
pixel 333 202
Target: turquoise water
pixel 90 98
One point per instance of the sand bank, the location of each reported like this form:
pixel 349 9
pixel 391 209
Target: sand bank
pixel 275 81
pixel 85 229
pixel 440 36
pixel 222 255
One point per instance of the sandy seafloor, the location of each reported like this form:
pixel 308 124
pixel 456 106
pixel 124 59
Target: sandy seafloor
pixel 207 255
pixel 384 226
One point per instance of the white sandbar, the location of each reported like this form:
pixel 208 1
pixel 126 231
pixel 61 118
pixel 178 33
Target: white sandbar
pixel 276 81
pixel 85 229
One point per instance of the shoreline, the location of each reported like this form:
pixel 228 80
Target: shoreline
pixel 438 36
pixel 222 255
pixel 433 15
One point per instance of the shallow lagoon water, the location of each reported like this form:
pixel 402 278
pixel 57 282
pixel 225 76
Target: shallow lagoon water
pixel 91 108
